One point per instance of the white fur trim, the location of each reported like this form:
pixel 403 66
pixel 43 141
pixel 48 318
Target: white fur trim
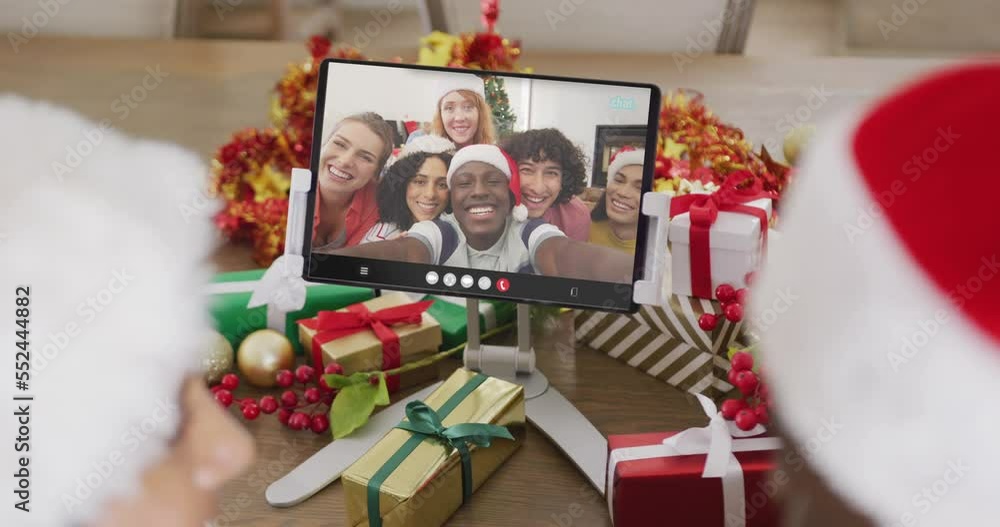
pixel 458 81
pixel 624 159
pixel 520 213
pixel 114 253
pixel 489 154
pixel 830 311
pixel 428 144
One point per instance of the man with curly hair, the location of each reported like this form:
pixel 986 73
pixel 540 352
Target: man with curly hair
pixel 553 171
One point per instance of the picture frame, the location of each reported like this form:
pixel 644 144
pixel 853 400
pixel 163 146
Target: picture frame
pixel 608 140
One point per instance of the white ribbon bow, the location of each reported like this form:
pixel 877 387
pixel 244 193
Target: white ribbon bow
pixel 716 441
pixel 281 289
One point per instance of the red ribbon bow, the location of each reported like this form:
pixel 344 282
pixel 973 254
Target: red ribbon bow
pixel 704 210
pixel 332 325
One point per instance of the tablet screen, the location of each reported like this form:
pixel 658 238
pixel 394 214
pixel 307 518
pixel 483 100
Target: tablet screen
pixel 472 183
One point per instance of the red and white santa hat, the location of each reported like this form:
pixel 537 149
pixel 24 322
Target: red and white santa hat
pixel 879 310
pixel 454 81
pixel 495 156
pixel 113 268
pixel 627 155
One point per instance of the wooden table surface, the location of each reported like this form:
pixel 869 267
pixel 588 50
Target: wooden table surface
pixel 211 88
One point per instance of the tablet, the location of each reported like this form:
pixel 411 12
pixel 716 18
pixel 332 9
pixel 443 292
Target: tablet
pixel 483 184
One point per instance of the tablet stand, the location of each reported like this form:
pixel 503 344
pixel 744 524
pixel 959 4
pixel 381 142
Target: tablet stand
pixel 546 408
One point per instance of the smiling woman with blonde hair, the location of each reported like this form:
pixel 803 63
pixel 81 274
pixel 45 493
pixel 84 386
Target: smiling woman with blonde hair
pixel 351 159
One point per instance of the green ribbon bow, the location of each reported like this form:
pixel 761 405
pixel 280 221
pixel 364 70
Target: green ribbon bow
pixel 426 423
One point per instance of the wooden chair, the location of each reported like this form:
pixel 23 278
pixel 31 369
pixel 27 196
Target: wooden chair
pixel 714 26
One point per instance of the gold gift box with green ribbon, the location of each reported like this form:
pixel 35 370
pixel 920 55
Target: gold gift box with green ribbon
pixel 421 472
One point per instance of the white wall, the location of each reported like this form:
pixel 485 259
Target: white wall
pixel 576 109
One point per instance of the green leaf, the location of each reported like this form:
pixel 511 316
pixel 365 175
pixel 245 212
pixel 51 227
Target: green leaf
pixel 382 391
pixel 343 381
pixel 355 402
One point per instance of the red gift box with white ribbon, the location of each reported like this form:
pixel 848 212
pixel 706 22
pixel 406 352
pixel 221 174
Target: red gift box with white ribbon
pixel 715 476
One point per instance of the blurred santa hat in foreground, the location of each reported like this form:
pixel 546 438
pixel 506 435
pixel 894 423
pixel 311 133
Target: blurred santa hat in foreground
pixel 879 309
pixel 109 236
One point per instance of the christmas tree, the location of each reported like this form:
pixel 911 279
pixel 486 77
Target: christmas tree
pixel 496 97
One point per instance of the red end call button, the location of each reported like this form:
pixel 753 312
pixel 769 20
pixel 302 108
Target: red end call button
pixel 503 285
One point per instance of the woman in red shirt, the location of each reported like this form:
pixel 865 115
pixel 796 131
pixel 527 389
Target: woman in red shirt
pixel 350 162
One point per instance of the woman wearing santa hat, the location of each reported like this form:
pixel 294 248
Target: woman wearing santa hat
pixel 110 270
pixel 414 187
pixel 461 113
pixel 615 218
pixel 489 229
pixel 352 157
pixel 879 312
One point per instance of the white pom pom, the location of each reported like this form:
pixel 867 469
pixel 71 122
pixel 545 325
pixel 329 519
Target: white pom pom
pixel 520 213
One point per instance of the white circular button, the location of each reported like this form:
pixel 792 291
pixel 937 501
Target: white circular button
pixel 467 281
pixel 432 278
pixel 485 283
pixel 449 279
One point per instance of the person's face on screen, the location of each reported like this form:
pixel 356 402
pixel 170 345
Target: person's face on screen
pixel 541 183
pixel 211 449
pixel 427 192
pixel 460 117
pixel 623 193
pixel 349 159
pixel 480 197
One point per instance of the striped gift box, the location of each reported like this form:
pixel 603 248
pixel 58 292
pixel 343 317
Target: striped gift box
pixel 666 343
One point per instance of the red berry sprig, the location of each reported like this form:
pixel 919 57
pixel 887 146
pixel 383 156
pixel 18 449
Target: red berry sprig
pixel 303 409
pixel 752 408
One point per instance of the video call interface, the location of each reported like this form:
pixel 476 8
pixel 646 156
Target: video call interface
pixel 489 173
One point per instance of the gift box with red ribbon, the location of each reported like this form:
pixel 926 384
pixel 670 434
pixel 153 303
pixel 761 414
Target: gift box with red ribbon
pixel 380 334
pixel 718 238
pixel 716 476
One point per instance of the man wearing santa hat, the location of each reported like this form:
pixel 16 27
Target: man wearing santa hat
pixel 489 229
pixel 884 357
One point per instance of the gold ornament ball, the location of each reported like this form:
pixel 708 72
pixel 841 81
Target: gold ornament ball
pixel 796 141
pixel 262 355
pixel 218 358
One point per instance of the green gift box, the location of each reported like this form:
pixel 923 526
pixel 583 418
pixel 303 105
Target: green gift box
pixel 234 320
pixel 450 312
